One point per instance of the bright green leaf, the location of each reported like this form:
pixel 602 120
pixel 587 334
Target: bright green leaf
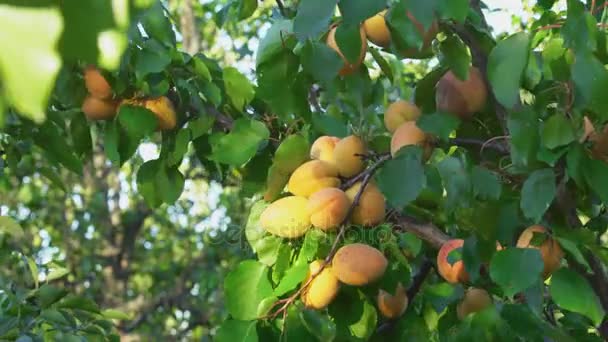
pixel 557 131
pixel 291 279
pixel 245 287
pixel 438 124
pixel 241 144
pixel 506 64
pixel 572 292
pixel 537 194
pixel 238 88
pixel 456 56
pixel 407 164
pixel 313 17
pixel 526 263
pixel 237 331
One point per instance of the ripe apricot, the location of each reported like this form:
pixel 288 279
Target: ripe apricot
pixel 392 306
pixel 347 156
pixel 96 109
pixel 550 250
pixel 96 84
pixel 372 205
pixel 323 149
pixel 322 289
pixel 474 300
pixel 399 112
pixel 452 273
pixel 462 98
pixel 311 177
pixel 286 217
pixel 407 134
pixel 328 208
pixel 359 264
pixel 164 110
pixel 376 30
pixel 348 67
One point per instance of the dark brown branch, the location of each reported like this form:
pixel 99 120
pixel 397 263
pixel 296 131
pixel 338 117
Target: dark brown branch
pixel 352 181
pixel 425 231
pixel 282 9
pixel 493 145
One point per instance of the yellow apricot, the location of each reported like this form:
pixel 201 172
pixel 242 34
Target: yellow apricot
pixel 322 289
pixel 392 306
pixel 376 30
pixel 550 250
pixel 323 149
pixel 372 205
pixel 328 208
pixel 455 272
pixel 347 156
pixel 311 177
pixel 97 109
pixel 348 67
pixel 359 264
pixel 407 134
pixel 96 84
pixel 286 217
pixel 462 98
pixel 399 112
pixel 164 110
pixel 474 300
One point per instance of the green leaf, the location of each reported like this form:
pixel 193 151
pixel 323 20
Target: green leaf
pixel 382 63
pixel 115 314
pixel 486 184
pixel 237 331
pixel 595 172
pixel 506 64
pixel 159 184
pixel 245 287
pixel 200 126
pixel 291 153
pixel 49 295
pixel 321 61
pixel 441 295
pixel 33 269
pixel 557 131
pixel 404 33
pixel 526 263
pixel 310 246
pixel 313 17
pixel 537 194
pixel 424 94
pixel 523 126
pixel 157 25
pixel 456 56
pixel 456 181
pixel 355 317
pixel 590 82
pixel 152 58
pixel 356 11
pixel 266 246
pixel 246 8
pixel 407 164
pixel 438 124
pixel 318 324
pixel 241 144
pixel 33 47
pixel 572 248
pixel 81 136
pixel 179 147
pixel 348 39
pixel 50 139
pixel 572 292
pixel 291 279
pixel 78 302
pixel 238 88
pixel 56 273
pixel 137 121
pixel 329 125
pixel 574 161
pixel 454 9
pixel 579 30
pixel 200 68
pixel 274 42
pixel 9 226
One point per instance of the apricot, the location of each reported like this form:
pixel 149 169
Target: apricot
pixel 311 177
pixel 376 30
pixel 407 134
pixel 462 98
pixel 399 112
pixel 96 109
pixel 323 149
pixel 347 156
pixel 286 217
pixel 348 67
pixel 322 289
pixel 164 110
pixel 371 207
pixel 474 300
pixel 328 208
pixel 96 84
pixel 392 306
pixel 359 264
pixel 452 273
pixel 550 250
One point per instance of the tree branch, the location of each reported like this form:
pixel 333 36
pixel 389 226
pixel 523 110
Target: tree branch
pixel 425 231
pixel 489 144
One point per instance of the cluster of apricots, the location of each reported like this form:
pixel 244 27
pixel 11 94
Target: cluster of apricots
pixel 478 299
pixel 100 104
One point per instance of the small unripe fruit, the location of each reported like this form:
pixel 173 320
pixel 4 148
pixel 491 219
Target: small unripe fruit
pixel 452 273
pixel 96 109
pixel 164 110
pixel 328 208
pixel 372 205
pixel 322 289
pixel 474 300
pixel 550 250
pixel 311 177
pixel 348 67
pixel 376 30
pixel 347 156
pixel 96 84
pixel 398 113
pixel 392 306
pixel 323 149
pixel 359 264
pixel 462 98
pixel 408 134
pixel 286 217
